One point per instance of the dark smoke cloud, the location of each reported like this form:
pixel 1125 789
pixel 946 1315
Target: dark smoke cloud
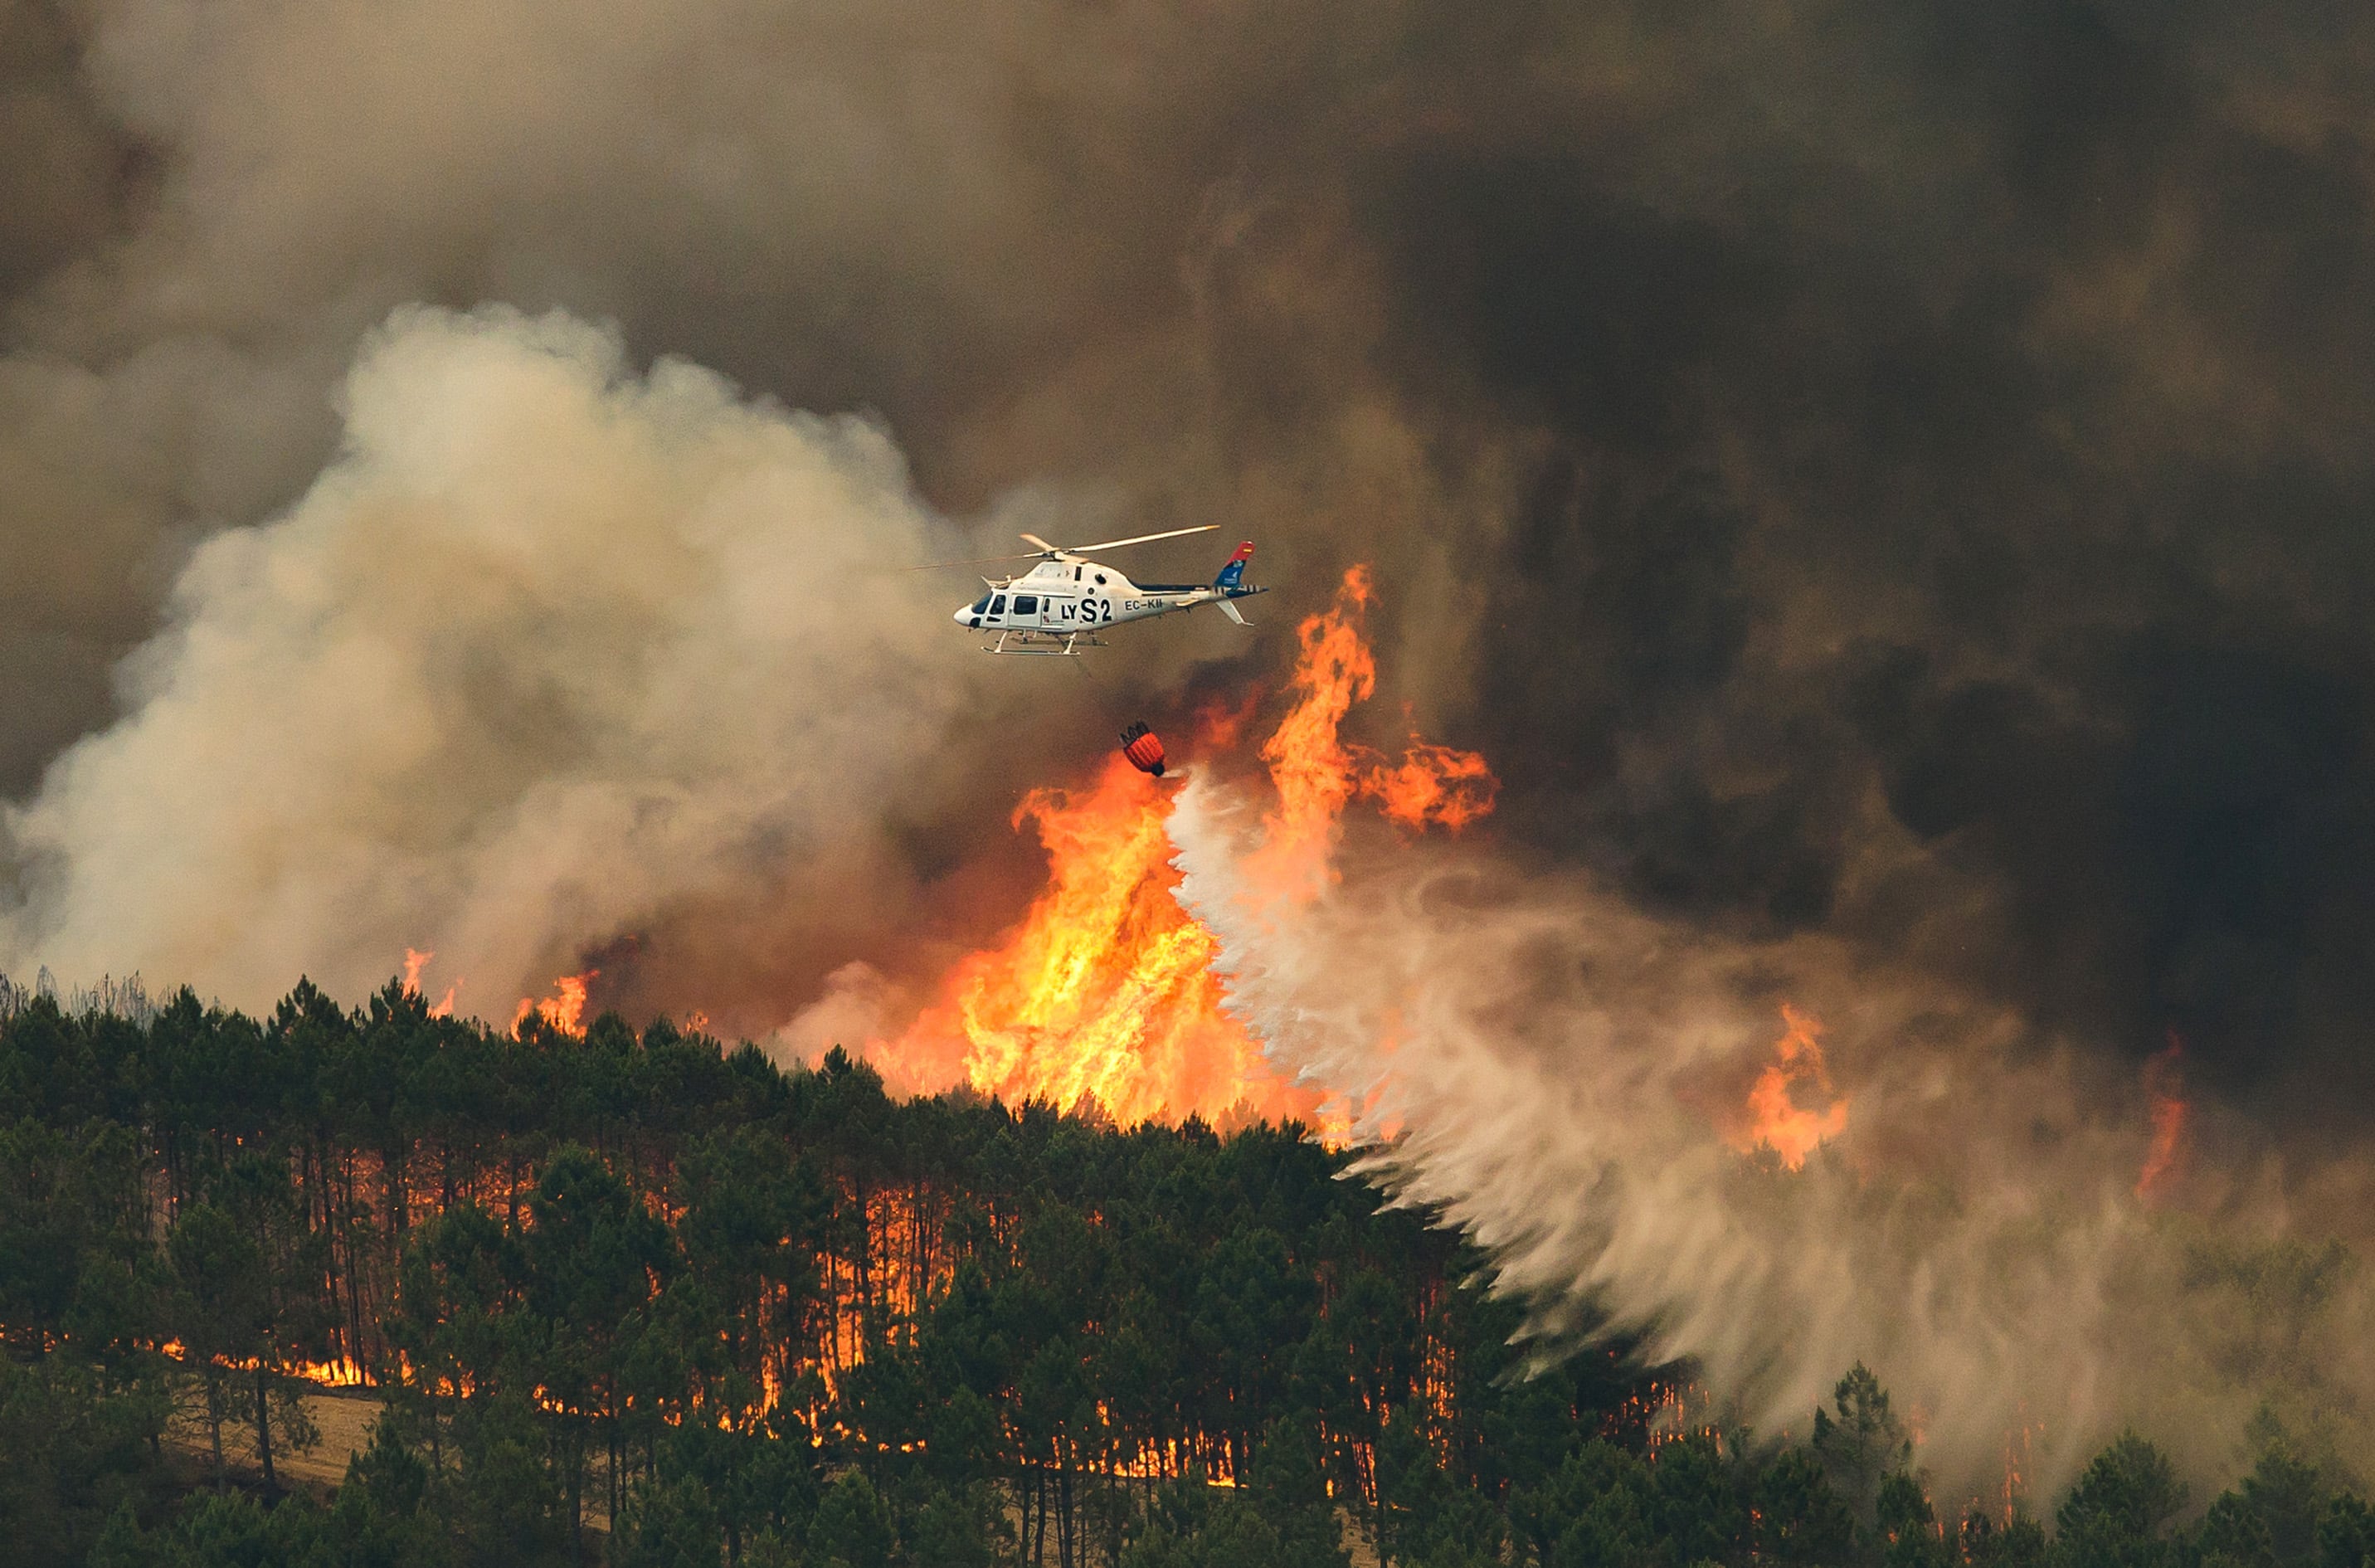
pixel 1890 478
pixel 1953 450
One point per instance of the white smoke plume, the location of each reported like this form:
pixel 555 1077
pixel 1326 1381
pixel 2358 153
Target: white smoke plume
pixel 549 651
pixel 1564 1080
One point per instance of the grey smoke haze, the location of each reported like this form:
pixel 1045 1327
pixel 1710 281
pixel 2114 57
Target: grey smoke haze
pixel 1880 481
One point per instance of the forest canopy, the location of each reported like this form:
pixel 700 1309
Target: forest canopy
pixel 638 1298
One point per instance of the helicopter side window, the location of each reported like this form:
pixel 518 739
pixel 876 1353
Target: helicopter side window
pixel 1026 604
pixel 997 606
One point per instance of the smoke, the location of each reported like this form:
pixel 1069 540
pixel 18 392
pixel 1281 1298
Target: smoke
pixel 549 652
pixel 1884 485
pixel 1567 1081
pixel 1897 473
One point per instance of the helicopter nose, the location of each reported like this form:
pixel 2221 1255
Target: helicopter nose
pixel 963 611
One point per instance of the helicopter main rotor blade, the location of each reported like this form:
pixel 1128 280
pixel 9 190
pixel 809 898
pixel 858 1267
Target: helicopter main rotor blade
pixel 1140 539
pixel 977 560
pixel 1046 550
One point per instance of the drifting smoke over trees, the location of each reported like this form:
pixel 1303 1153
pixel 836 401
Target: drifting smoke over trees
pixel 634 1299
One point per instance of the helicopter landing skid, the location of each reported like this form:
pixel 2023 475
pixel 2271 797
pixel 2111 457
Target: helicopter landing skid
pixel 1044 645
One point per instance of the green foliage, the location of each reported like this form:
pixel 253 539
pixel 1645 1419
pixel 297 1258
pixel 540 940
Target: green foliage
pixel 1594 1508
pixel 1233 1532
pixel 2130 1486
pixel 668 1524
pixel 954 1527
pixel 1905 1526
pixel 852 1527
pixel 2270 1520
pixel 75 1449
pixel 2117 1513
pixel 1696 1506
pixel 1800 1519
pixel 2345 1536
pixel 1861 1443
pixel 779 1320
pixel 2017 1544
pixel 1286 1485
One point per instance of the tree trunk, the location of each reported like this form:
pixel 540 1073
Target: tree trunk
pixel 399 1205
pixel 264 1430
pixel 319 1194
pixel 347 1238
pixel 577 1498
pixel 214 1424
pixel 1064 1532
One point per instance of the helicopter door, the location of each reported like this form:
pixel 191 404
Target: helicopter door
pixel 1026 610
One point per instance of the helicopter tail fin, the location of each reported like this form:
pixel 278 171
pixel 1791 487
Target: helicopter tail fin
pixel 1231 611
pixel 1234 573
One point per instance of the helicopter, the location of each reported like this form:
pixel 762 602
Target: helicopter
pixel 1060 606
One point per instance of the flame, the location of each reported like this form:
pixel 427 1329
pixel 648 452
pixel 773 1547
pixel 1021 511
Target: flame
pixel 1104 993
pixel 2019 1445
pixel 1435 784
pixel 2165 1161
pixel 1313 772
pixel 415 960
pixel 321 1375
pixel 1776 1120
pixel 1317 772
pixel 563 1009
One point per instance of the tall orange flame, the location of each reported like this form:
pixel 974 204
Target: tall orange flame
pixel 564 1009
pixel 1317 772
pixel 1104 992
pixel 1776 1120
pixel 415 960
pixel 1313 772
pixel 2165 1099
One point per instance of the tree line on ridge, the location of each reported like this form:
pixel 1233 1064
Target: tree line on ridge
pixel 636 1298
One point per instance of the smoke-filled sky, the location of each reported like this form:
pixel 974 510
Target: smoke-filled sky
pixel 1891 478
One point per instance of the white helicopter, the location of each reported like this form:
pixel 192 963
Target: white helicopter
pixel 1060 605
